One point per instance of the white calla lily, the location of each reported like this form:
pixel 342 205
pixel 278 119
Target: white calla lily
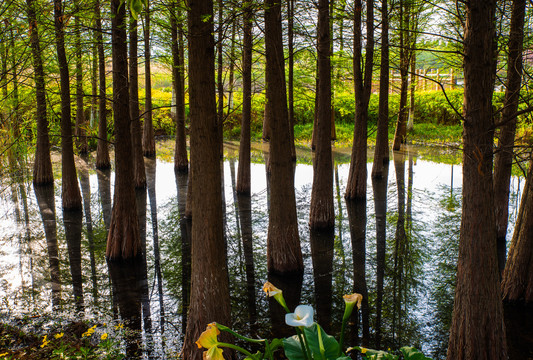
pixel 302 316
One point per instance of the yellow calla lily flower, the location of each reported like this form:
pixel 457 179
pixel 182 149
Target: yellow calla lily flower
pixel 270 289
pixel 208 338
pixel 353 298
pixel 273 291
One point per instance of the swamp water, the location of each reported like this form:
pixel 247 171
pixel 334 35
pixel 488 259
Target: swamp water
pixel 398 249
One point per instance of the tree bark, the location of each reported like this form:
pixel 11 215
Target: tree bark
pixel 477 330
pixel 102 148
pixel 181 163
pixel 381 152
pixel 220 78
pixel 148 130
pixel 322 213
pixel 290 39
pixel 123 240
pixel 80 129
pixel 401 125
pixel 42 165
pixel 356 185
pixel 243 171
pixel 503 161
pixel 209 282
pixel 517 281
pixel 139 173
pixel 71 196
pixel 284 254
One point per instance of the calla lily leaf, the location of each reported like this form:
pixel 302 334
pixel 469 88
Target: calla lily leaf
pixel 410 353
pixel 293 349
pixel 331 346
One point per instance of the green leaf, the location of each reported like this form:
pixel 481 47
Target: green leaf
pixel 257 356
pixel 410 353
pixel 293 349
pixel 136 6
pixel 370 354
pixel 331 346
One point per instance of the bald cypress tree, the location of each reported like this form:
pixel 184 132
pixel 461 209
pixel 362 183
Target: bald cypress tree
pixel 209 300
pixel 123 240
pixel 477 330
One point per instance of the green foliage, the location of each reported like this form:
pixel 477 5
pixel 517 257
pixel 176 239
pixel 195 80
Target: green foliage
pixel 323 347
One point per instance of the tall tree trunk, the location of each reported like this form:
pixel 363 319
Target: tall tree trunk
pixel 231 80
pixel 517 281
pixel 71 195
pixel 290 39
pixel 123 239
pixel 504 154
pixel 356 185
pixel 381 152
pixel 243 171
pixel 139 173
pixel 148 130
pixel 94 83
pixel 15 123
pixel 401 124
pixel 477 330
pixel 80 128
pixel 284 254
pixel 209 282
pixel 42 165
pixel 220 78
pixel 412 75
pixel 181 163
pixel 102 148
pixel 322 213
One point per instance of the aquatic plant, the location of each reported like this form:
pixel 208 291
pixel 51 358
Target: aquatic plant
pixel 311 342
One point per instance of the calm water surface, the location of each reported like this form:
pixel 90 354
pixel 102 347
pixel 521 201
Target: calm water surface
pixel 398 248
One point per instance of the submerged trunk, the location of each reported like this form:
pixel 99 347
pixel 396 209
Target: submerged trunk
pixel 503 161
pixel 477 330
pixel 123 240
pixel 284 254
pixel 322 213
pixel 356 185
pixel 209 300
pixel 517 281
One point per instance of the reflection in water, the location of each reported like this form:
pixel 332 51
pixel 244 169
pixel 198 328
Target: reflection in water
pixel 127 283
pixel 45 199
pixel 185 229
pixel 322 256
pixel 379 187
pixel 357 218
pixel 405 305
pixel 245 214
pixel 104 188
pixel 83 172
pixel 72 220
pixel 150 166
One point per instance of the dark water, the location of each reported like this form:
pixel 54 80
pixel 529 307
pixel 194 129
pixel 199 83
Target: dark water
pixel 398 249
